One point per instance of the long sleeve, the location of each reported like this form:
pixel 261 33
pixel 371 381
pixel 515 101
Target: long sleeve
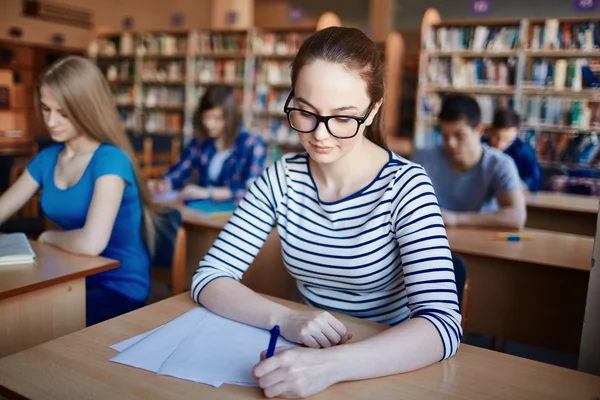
pixel 243 236
pixel 426 258
pixel 255 166
pixel 179 173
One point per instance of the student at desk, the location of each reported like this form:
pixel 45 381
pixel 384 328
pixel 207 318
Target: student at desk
pixel 475 184
pixel 360 229
pixel 503 136
pixel 90 186
pixel 227 161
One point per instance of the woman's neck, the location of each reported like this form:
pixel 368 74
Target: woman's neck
pixel 220 143
pixel 341 176
pixel 82 144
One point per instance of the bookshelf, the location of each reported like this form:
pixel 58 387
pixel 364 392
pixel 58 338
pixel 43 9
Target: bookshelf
pixel 548 70
pixel 157 78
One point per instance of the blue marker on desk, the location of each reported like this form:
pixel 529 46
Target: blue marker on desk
pixel 273 341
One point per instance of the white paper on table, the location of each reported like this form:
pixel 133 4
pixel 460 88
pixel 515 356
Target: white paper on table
pixel 150 352
pixel 219 349
pixel 125 344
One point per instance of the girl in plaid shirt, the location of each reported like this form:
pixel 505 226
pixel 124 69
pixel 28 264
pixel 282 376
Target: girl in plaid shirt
pixel 226 160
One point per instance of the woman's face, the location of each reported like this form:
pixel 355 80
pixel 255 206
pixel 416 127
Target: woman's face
pixel 60 127
pixel 214 122
pixel 330 89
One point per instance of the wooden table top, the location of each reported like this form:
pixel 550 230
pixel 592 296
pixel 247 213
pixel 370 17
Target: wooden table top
pixel 193 218
pixel 21 146
pixel 545 248
pixel 564 202
pixel 52 266
pixel 76 367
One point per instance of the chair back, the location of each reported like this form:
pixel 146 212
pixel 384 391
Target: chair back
pixel 462 287
pixel 170 250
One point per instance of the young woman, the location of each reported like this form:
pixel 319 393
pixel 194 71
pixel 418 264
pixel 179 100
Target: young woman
pixel 360 228
pixel 227 161
pixel 91 187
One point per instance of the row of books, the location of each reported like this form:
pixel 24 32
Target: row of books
pixel 269 100
pixel 124 95
pixel 218 42
pixel 268 43
pixel 554 111
pixel 574 74
pixel 162 122
pixel 128 118
pixel 458 72
pixel 275 130
pixel 161 96
pixel 227 71
pixel 567 148
pixel 272 72
pixel 474 38
pixel 554 35
pixel 124 70
pixel 163 71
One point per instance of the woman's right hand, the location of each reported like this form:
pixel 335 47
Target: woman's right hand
pixel 314 329
pixel 160 186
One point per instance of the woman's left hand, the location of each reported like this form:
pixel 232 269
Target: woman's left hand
pixel 295 372
pixel 44 237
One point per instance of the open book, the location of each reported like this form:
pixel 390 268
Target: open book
pixel 15 249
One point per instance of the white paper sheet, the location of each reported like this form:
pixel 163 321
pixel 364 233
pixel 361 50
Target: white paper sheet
pixel 125 344
pixel 198 346
pixel 166 197
pixel 219 349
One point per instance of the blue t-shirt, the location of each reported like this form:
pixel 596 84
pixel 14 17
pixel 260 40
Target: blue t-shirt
pixel 475 190
pixel 69 208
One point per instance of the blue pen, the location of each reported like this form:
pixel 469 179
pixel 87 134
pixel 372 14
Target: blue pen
pixel 273 341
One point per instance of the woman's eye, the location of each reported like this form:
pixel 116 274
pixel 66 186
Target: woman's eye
pixel 343 120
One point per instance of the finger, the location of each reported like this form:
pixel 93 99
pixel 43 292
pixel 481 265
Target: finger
pixel 265 367
pixel 321 339
pixel 272 378
pixel 276 390
pixel 339 327
pixel 311 342
pixel 332 336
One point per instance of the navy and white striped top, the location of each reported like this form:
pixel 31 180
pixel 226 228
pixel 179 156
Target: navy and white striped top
pixel 381 254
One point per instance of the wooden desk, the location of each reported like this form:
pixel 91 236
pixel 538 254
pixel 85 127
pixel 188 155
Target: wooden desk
pixel 76 367
pixel 531 291
pixel 46 299
pixel 560 212
pixel 17 147
pixel 266 274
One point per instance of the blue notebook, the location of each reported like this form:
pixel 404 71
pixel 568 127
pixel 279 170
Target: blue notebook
pixel 213 209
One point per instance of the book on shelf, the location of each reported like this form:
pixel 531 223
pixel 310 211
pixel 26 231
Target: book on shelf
pixel 461 73
pixel 15 249
pixel 562 112
pixel 556 35
pixel 471 38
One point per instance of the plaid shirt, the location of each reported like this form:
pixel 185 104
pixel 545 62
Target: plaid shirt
pixel 240 169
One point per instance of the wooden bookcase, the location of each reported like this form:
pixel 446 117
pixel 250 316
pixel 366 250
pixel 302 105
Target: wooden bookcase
pixel 548 70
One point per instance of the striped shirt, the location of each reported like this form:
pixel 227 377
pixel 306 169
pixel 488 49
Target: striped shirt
pixel 380 254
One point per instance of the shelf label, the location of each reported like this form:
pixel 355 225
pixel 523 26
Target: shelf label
pixel 295 13
pixel 481 6
pixel 176 20
pixel 585 5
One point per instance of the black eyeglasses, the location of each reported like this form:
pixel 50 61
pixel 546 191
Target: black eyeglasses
pixel 339 126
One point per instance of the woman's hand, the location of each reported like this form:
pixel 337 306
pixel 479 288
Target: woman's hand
pixel 450 218
pixel 295 372
pixel 314 329
pixel 160 186
pixel 194 192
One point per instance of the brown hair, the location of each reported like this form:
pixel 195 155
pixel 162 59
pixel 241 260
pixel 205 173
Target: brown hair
pixel 351 48
pixel 84 95
pixel 224 97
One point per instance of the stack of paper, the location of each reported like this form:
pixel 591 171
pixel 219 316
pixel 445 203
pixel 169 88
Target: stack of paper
pixel 199 346
pixel 15 249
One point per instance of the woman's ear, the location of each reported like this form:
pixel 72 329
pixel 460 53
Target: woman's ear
pixel 374 111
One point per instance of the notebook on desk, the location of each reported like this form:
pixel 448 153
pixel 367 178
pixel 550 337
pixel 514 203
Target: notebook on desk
pixel 212 209
pixel 15 249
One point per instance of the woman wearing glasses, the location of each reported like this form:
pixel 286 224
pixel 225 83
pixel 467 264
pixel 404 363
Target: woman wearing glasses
pixel 360 228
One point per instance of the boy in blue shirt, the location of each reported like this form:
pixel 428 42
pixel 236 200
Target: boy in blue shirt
pixel 503 136
pixel 476 185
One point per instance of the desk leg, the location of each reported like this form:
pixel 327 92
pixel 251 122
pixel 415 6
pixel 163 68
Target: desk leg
pixel 527 303
pixel 36 317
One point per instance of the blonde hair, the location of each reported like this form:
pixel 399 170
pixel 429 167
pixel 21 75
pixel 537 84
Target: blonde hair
pixel 85 97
